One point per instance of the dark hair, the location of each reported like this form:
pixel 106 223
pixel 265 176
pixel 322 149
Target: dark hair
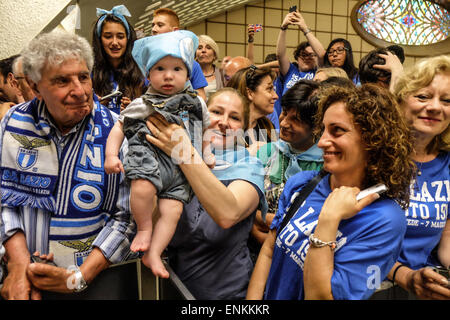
pixel 6 66
pixel 398 51
pixel 250 78
pixel 270 57
pixel 128 75
pixel 349 65
pixel 302 97
pixel 300 48
pixel 369 74
pixel 387 138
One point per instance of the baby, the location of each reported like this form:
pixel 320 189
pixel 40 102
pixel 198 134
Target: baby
pixel 167 60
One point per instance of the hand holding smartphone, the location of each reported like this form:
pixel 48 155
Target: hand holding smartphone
pixel 39 260
pixel 379 188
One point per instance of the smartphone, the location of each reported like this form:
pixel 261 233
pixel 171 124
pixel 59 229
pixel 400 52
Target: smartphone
pixel 379 188
pixel 293 8
pixel 39 260
pixel 111 95
pixel 443 272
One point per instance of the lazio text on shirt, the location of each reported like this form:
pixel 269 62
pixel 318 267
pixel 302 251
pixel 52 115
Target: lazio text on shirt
pixel 290 234
pixel 436 193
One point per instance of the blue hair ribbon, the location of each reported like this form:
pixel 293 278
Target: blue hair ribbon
pixel 118 11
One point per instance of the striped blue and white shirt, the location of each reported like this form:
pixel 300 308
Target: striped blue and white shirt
pixel 113 227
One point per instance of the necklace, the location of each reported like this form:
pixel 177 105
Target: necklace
pixel 419 168
pixel 210 75
pixel 281 186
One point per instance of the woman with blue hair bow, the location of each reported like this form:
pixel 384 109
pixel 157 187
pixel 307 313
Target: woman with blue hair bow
pixel 114 68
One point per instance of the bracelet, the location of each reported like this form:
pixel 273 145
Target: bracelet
pixel 306 31
pixel 250 40
pixel 283 28
pixel 395 272
pixel 316 242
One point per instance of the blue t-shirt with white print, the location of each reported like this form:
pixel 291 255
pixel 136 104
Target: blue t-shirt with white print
pixel 368 244
pixel 427 213
pixel 294 75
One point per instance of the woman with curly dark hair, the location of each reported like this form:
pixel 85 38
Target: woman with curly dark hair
pixel 335 246
pixel 114 67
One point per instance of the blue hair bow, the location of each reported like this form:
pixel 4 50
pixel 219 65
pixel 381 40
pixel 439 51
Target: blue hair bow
pixel 117 11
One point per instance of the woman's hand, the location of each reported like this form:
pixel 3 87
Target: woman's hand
pixel 290 18
pixel 250 31
pixel 171 138
pixel 299 21
pixel 427 284
pixel 341 203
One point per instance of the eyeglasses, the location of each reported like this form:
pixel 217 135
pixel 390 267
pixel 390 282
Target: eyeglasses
pixel 339 50
pixel 307 55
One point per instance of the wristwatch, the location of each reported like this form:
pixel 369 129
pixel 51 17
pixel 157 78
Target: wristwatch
pixel 80 283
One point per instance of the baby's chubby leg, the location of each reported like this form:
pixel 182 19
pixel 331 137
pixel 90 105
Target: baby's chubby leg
pixel 142 204
pixel 165 227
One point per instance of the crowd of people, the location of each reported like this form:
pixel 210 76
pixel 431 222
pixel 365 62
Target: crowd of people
pixel 244 178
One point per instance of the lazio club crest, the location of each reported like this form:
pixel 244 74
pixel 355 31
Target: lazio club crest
pixel 26 158
pixel 27 154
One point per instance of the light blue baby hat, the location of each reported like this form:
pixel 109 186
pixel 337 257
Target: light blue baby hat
pixel 179 44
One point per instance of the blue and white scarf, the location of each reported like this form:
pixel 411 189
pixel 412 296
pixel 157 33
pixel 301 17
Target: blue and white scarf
pixel 312 154
pixel 32 173
pixel 234 164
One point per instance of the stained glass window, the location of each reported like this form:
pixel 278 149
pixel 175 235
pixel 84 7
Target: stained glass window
pixel 407 22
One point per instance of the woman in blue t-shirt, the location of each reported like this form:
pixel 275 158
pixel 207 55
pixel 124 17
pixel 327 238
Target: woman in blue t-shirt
pixel 423 92
pixel 335 247
pixel 209 249
pixel 308 54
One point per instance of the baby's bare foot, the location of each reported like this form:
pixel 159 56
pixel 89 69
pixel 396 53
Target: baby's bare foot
pixel 141 242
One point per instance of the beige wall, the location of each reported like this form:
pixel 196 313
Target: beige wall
pixel 328 19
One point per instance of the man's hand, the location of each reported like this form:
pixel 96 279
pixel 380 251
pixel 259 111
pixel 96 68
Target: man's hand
pixel 49 278
pixel 16 285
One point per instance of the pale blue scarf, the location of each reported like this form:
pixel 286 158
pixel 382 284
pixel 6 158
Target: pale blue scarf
pixel 312 154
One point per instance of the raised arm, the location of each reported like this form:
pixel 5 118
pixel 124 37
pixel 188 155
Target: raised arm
pixel 281 45
pixel 315 44
pixel 251 39
pixel 392 65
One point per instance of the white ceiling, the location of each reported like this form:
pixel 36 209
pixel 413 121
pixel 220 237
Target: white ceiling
pixel 189 11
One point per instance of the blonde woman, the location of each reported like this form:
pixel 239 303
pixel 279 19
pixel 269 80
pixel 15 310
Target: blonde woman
pixel 325 73
pixel 208 52
pixel 423 92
